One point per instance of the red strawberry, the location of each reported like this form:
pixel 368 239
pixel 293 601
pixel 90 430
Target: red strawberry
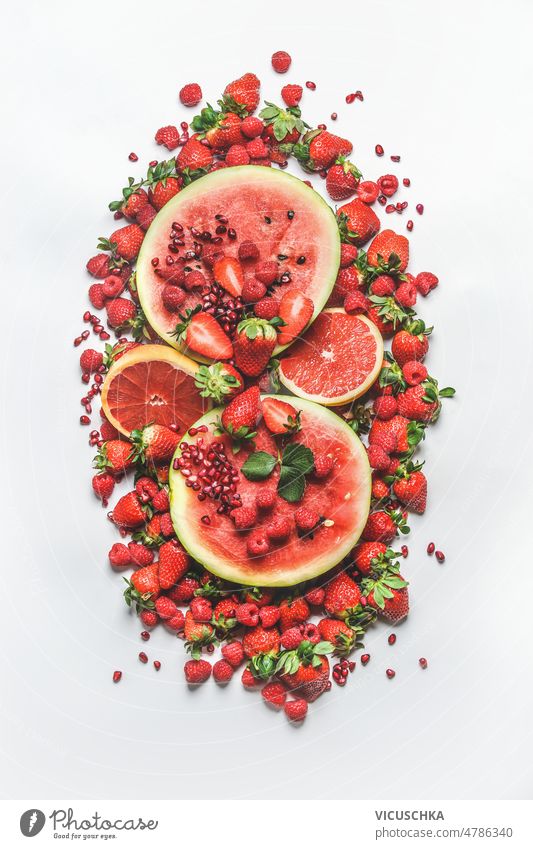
pixel 221 129
pixel 241 415
pixel 252 127
pixel 348 282
pixel 155 443
pixel 219 381
pixel 342 179
pixel 253 345
pixel 291 94
pixel 280 417
pixel 281 61
pixel 296 310
pixel 197 671
pixel 379 527
pixel 128 511
pixel 165 608
pixel 134 204
pixel 342 595
pixel 145 216
pixel 202 333
pixel 357 222
pixel 320 149
pixel 260 641
pixel 237 155
pixel 173 563
pixel 389 252
pixel 143 588
pixel 120 312
pixel 114 456
pixel 228 273
pixel 293 613
pixel 164 190
pixel 295 710
pixel 193 156
pixel 190 94
pixel 311 676
pixel 367 555
pixel 184 590
pixel 244 92
pixel 197 634
pixel 417 402
pixel 340 635
pixel 168 136
pixel 126 241
pixel 389 595
pixel 267 308
pixel 411 487
pixel 411 343
pixel 256 149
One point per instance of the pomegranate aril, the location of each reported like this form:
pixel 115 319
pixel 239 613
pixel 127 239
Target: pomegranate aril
pixel 85 420
pixel 364 659
pixel 390 673
pixel 440 556
pixel 143 657
pixel 410 225
pixel 379 150
pixel 310 85
pixel 117 675
pixel 431 548
pixel 145 635
pixel 423 662
pixel 157 665
pixel 391 639
pixel 405 551
pixel 406 181
pixel 420 208
pixel 350 98
pixel 395 158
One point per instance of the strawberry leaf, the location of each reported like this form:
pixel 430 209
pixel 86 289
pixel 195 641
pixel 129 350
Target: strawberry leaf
pixel 258 466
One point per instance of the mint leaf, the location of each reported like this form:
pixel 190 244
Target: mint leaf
pixel 258 466
pixel 296 462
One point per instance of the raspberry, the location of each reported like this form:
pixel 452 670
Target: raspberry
pixel 377 458
pixel 168 136
pixel 98 266
pixel 191 94
pixel 165 607
pixel 269 615
pixel 244 518
pixel 222 671
pixel 267 272
pixel 233 653
pixel 113 286
pixel 257 543
pixel 253 290
pixel 266 498
pixel 167 528
pixel 145 216
pixel 425 282
pixel 91 360
pixel 306 519
pixel 296 710
pixel 388 185
pixel 96 296
pixel 349 254
pixel 176 622
pixel 315 596
pixel 383 286
pixel 149 618
pixel 323 465
pixel 257 149
pixel 368 191
pixel 194 280
pixel 406 294
pixel 281 61
pixel 291 638
pixel 379 489
pixel 172 297
pixel 140 554
pixel 355 303
pixel 237 155
pixel 103 485
pixel 292 94
pixel 279 529
pixel 385 407
pixel 201 609
pixel 248 680
pixel 197 671
pixel 267 308
pixel 146 488
pixel 247 614
pixel 184 590
pixel 252 127
pixel 119 556
pixel 274 694
pixel 248 251
pixel 414 373
pixel 160 501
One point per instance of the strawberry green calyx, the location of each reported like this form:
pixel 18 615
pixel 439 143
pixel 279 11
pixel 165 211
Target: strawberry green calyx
pixel 239 435
pixel 156 174
pixel 399 520
pixel 359 418
pixel 137 326
pixel 283 121
pixel 390 310
pixel 215 382
pixel 211 589
pixel 146 539
pixel 208 119
pixel 392 375
pixel 228 104
pixel 418 328
pixel 381 586
pixel 348 167
pixel 260 327
pixel 185 319
pixel 223 626
pixel 263 665
pixel 358 619
pixel 141 601
pixel 307 654
pixel 206 637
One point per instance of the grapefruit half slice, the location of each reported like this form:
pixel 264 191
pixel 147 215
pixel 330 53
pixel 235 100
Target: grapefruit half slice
pixel 152 383
pixel 336 360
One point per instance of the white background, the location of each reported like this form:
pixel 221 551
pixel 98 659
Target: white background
pixel 447 85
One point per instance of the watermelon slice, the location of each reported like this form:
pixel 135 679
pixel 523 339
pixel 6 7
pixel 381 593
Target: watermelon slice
pixel 342 499
pixel 288 221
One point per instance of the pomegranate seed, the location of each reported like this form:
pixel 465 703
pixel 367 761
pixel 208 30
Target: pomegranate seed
pixel 395 158
pixel 364 659
pixel 406 181
pixel 133 157
pixel 87 316
pixel 143 657
pixel 333 116
pixel 157 665
pixel 359 95
pixel 118 215
pixel 117 675
pixel 206 520
pixel 390 208
pixel 392 639
pixel 405 551
pixel 328 686
pixel 410 225
pixel 351 665
pixel 97 328
pixel 311 85
pixel 390 673
pixel 77 341
pixel 153 163
pixel 420 208
pixel 85 420
pixel 382 200
pixel 423 663
pixel 379 150
pixel 440 556
pixel 145 635
pixel 210 648
pixel 431 548
pixel 322 126
pixel 350 98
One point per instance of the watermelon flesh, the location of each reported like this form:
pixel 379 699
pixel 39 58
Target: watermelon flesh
pixel 343 498
pixel 274 210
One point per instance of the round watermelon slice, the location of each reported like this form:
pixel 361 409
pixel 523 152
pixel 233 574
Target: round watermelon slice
pixel 287 220
pixel 342 500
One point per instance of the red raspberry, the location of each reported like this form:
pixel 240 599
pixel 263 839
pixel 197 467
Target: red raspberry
pixel 172 297
pixel 406 294
pixel 248 680
pixel 96 296
pixel 103 486
pixel 267 272
pixel 323 465
pixel 237 155
pixel 368 191
pixel 385 407
pixel 184 590
pixel 292 94
pixel 201 609
pixel 257 149
pixel 146 488
pixel 379 489
pixel 315 596
pixel 165 607
pixel 168 136
pixel 281 61
pixel 140 554
pixel 388 185
pixel 248 251
pixel 244 518
pixel 269 615
pixel 247 614
pixel 355 303
pixel 160 501
pixel 149 618
pixel 306 519
pixel 91 360
pixel 279 528
pixel 167 528
pixel 113 286
pixel 194 280
pixel 252 127
pixel 257 543
pixel 145 216
pixel 107 431
pixel 274 694
pixel 98 266
pixel 425 282
pixel 295 710
pixel 378 458
pixel 222 671
pixel 267 308
pixel 414 372
pixel 176 622
pixel 349 254
pixel 119 556
pixel 233 653
pixel 191 94
pixel 291 638
pixel 253 290
pixel 266 498
pixel 394 465
pixel 197 671
pixel 383 286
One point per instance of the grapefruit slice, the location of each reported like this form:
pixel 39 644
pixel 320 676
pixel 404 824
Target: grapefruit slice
pixel 152 383
pixel 342 499
pixel 288 221
pixel 338 359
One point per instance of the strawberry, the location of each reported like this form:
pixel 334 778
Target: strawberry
pixel 295 710
pixel 173 563
pixel 143 588
pixel 237 155
pixel 222 671
pixel 396 435
pixel 420 403
pixel 388 594
pixel 349 281
pixel 242 414
pixel 125 242
pixel 119 556
pixel 378 458
pixel 202 333
pixel 194 156
pixel 282 126
pixel 357 222
pixel 342 595
pixel 98 266
pixel 197 671
pixel 340 635
pixel 253 345
pixel 252 290
pixel 385 407
pixel 249 680
pixel 252 127
pixel 219 381
pixel 228 273
pixel 256 149
pixel 145 216
pixel 114 456
pixel 293 612
pixel 389 252
pixel 225 610
pixel 291 94
pixel 274 694
pixel 281 61
pixel 296 310
pixel 379 527
pixel 190 94
pixel 411 342
pixel 342 179
pixel 306 669
pixel 120 312
pixel 367 555
pixel 134 203
pixel 164 190
pixel 220 129
pixel 280 417
pixel 128 511
pixel 168 136
pixel 260 641
pixel 184 590
pixel 410 487
pixel 242 93
pixel 319 149
pixel 154 443
pixel 234 653
pixel 197 635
